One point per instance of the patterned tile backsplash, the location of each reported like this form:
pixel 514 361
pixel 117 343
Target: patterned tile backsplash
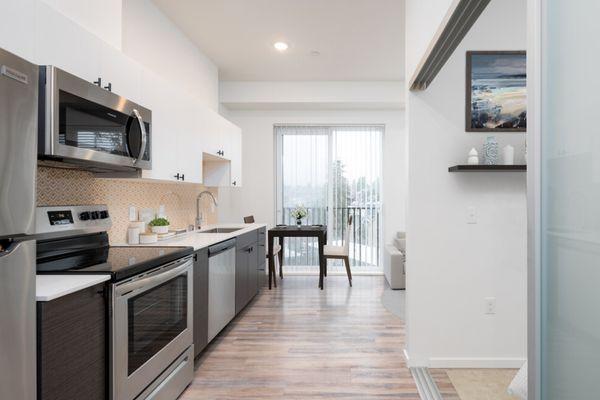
pixel 72 187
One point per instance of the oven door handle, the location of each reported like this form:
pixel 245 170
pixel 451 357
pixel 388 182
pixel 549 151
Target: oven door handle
pixel 151 281
pixel 140 121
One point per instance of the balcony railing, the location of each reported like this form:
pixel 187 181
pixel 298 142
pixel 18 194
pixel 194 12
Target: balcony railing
pixel 364 238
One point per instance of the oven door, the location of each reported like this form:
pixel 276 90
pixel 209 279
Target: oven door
pixel 90 124
pixel 152 326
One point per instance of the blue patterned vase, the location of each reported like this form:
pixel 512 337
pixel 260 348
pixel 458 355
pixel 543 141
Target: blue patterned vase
pixel 490 151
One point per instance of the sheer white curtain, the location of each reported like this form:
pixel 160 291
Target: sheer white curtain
pixel 335 172
pixel 356 190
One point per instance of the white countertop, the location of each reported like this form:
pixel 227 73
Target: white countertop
pixel 50 287
pixel 199 240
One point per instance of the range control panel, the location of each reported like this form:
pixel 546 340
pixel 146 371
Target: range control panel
pixel 67 218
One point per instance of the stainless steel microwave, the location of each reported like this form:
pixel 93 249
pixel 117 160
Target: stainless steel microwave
pixel 90 127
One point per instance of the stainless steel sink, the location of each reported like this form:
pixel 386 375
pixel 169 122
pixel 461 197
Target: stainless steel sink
pixel 221 230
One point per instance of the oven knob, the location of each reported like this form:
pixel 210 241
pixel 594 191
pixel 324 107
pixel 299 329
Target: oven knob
pixel 84 216
pixel 95 215
pixel 103 214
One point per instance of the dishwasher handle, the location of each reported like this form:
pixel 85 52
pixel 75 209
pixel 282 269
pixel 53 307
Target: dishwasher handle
pixel 221 247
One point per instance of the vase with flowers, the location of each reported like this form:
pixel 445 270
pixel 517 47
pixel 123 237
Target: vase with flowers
pixel 299 213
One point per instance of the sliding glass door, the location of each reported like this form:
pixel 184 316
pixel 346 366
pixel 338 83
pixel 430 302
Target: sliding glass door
pixel 334 172
pixel 569 362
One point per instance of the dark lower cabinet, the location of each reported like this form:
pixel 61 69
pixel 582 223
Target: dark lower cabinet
pixel 200 300
pixel 241 278
pixel 246 269
pixel 73 346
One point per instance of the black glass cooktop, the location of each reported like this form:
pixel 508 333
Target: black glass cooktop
pixel 91 254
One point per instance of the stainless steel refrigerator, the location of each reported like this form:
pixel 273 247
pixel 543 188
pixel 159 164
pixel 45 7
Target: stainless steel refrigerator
pixel 18 163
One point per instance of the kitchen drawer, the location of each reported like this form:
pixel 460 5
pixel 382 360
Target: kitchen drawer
pixel 246 239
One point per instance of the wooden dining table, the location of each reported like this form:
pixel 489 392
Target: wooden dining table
pixel 283 231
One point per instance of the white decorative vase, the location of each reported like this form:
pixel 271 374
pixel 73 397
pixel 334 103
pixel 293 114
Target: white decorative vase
pixel 508 155
pixel 473 157
pixel 490 151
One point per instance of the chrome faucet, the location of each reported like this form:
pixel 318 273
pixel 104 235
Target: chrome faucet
pixel 199 219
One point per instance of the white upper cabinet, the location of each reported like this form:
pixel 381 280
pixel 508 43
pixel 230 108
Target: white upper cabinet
pixel 189 141
pixel 157 95
pixel 64 44
pixel 189 152
pixel 235 142
pixel 121 72
pixel 17 27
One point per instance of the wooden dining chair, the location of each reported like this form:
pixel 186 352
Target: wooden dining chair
pixel 341 252
pixel 249 219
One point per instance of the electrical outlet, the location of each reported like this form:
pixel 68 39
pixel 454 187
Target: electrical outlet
pixel 490 305
pixel 471 215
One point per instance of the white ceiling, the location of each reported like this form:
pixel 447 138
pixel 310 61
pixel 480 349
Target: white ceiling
pixel 358 40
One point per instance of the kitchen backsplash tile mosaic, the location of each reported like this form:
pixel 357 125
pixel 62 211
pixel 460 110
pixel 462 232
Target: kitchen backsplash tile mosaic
pixel 72 187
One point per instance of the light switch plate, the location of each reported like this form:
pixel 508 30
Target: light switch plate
pixel 490 305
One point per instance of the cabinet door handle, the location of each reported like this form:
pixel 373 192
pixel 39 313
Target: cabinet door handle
pixel 98 82
pixel 108 87
pixel 177 176
pixel 234 183
pixel 183 177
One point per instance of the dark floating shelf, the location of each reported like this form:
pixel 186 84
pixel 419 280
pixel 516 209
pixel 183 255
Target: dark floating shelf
pixel 473 168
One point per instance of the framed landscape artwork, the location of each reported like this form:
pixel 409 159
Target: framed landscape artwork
pixel 496 91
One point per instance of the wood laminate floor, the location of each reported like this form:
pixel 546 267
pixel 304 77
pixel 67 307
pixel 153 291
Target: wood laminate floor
pixel 298 342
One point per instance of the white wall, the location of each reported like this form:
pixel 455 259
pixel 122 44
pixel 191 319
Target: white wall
pixel 101 17
pixel 257 196
pixel 452 266
pixel 153 40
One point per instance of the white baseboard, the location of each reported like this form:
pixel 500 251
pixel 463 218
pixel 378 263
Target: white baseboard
pixel 443 362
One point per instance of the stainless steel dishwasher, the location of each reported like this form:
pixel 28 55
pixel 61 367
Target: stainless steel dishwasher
pixel 221 286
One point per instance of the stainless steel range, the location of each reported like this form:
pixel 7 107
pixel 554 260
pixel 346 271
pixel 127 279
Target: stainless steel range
pixel 151 298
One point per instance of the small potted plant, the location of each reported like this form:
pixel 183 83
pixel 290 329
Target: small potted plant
pixel 159 225
pixel 299 213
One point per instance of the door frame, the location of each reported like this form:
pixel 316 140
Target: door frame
pixel 536 30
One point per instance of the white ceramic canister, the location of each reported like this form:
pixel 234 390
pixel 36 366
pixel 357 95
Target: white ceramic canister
pixel 133 235
pixel 509 155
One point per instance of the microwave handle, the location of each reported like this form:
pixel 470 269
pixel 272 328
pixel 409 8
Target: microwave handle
pixel 144 136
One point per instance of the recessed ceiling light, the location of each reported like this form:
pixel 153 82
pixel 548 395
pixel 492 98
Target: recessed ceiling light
pixel 281 46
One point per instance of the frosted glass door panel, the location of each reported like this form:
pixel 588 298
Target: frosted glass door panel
pixel 570 353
